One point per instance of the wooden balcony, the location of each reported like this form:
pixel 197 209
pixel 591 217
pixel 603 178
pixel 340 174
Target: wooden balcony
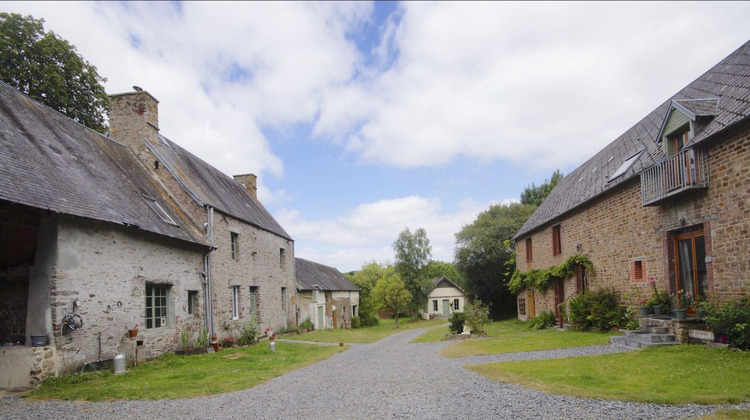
pixel 687 170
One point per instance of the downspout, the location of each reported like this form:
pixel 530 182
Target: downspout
pixel 208 291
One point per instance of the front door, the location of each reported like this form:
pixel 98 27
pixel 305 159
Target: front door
pixel 559 297
pixel 690 259
pixel 530 308
pixel 446 307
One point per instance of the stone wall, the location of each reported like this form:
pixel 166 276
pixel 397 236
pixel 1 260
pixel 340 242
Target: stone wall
pixel 257 264
pixel 106 268
pixel 614 231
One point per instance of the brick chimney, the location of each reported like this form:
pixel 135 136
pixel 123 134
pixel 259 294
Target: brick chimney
pixel 250 182
pixel 133 117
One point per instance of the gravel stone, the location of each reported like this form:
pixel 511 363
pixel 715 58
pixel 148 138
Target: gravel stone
pixel 389 379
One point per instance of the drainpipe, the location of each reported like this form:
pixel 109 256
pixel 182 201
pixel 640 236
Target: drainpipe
pixel 208 291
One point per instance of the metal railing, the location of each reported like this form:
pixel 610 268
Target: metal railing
pixel 685 170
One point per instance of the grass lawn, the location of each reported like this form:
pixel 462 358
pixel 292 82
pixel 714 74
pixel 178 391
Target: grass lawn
pixel 728 415
pixel 665 375
pixel 364 335
pixel 433 334
pixel 511 336
pixel 174 376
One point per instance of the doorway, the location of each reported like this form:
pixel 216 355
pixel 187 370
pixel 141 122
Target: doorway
pixel 690 263
pixel 559 298
pixel 446 308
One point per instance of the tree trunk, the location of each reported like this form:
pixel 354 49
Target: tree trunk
pixel 395 315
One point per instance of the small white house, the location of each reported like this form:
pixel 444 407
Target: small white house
pixel 444 298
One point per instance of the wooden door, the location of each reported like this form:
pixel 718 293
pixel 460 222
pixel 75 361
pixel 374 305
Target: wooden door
pixel 559 298
pixel 530 308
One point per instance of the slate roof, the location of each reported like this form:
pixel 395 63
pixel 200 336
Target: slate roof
pixel 439 281
pixel 49 161
pixel 309 274
pixel 208 185
pixel 729 81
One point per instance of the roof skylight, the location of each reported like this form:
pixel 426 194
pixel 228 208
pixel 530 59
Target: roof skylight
pixel 158 210
pixel 625 165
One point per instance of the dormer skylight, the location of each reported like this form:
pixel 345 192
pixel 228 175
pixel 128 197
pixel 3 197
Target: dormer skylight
pixel 625 166
pixel 158 210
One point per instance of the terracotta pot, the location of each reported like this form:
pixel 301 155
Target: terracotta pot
pixel 133 332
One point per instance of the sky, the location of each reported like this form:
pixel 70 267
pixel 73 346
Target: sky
pixel 362 119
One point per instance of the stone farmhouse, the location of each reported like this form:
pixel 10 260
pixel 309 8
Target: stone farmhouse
pixel 669 199
pixel 444 298
pixel 100 234
pixel 325 295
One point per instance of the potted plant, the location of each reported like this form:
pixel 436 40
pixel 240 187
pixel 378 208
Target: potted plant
pixel 660 301
pixel 681 303
pixel 133 332
pixel 644 308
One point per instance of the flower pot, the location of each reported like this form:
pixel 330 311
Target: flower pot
pixel 681 313
pixel 657 310
pixel 644 309
pixel 133 332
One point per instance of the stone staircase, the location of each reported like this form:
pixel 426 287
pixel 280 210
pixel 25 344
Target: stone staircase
pixel 649 335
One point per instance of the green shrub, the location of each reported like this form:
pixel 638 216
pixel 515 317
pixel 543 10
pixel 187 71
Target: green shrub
pixel 477 315
pixel 356 323
pixel 457 321
pixel 307 324
pixel 597 310
pixel 731 319
pixel 541 321
pixel 368 320
pixel 248 333
pixel 632 320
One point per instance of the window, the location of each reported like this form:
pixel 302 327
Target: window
pixel 283 298
pixel 521 306
pixel 625 166
pixel 434 305
pixel 282 258
pixel 637 271
pixel 253 301
pixel 235 302
pixel 315 296
pixel 556 242
pixel 156 305
pixel 191 302
pixel 233 239
pixel 455 305
pixel 677 139
pixel 158 210
pixel 529 255
pixel 354 310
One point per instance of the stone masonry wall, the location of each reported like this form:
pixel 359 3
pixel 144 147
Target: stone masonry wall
pixel 614 230
pixel 106 268
pixel 257 265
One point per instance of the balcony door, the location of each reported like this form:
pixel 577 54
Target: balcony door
pixel 690 263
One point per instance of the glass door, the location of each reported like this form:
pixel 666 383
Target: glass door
pixel 690 258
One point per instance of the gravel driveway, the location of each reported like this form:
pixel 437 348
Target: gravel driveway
pixel 386 379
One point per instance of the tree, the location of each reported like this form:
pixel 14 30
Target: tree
pixel 390 293
pixel 535 195
pixel 435 269
pixel 485 257
pixel 412 255
pixel 366 279
pixel 50 70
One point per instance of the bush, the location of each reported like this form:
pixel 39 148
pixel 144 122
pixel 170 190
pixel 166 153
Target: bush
pixel 477 315
pixel 541 321
pixel 248 333
pixel 731 319
pixel 356 323
pixel 368 320
pixel 457 321
pixel 307 324
pixel 597 310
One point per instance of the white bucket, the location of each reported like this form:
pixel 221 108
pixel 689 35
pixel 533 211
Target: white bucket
pixel 119 364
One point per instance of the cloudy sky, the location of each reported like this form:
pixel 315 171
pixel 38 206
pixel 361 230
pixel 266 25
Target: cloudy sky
pixel 361 119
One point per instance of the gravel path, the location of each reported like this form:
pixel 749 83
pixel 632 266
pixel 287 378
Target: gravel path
pixel 383 380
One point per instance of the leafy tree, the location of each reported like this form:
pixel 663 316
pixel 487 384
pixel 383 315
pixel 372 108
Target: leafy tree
pixel 484 255
pixel 390 293
pixel 435 269
pixel 50 70
pixel 477 316
pixel 366 279
pixel 535 195
pixel 412 255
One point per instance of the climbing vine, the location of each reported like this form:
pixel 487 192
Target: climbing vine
pixel 542 279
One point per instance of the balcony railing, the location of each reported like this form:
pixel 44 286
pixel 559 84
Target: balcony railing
pixel 684 171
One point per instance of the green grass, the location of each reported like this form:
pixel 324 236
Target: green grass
pixel 511 336
pixel 665 375
pixel 366 334
pixel 728 415
pixel 433 334
pixel 173 376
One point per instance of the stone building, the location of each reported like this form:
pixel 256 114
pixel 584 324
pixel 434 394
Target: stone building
pixel 325 296
pixel 98 234
pixel 669 199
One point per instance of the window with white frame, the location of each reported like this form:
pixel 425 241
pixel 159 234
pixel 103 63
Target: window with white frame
pixel 434 305
pixel 283 298
pixel 235 302
pixel 455 305
pixel 191 302
pixel 157 305
pixel 234 245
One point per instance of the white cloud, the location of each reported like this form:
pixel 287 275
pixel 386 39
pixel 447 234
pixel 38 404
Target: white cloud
pixel 367 232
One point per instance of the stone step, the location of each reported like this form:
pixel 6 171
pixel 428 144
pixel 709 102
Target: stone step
pixel 648 337
pixel 637 344
pixel 655 329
